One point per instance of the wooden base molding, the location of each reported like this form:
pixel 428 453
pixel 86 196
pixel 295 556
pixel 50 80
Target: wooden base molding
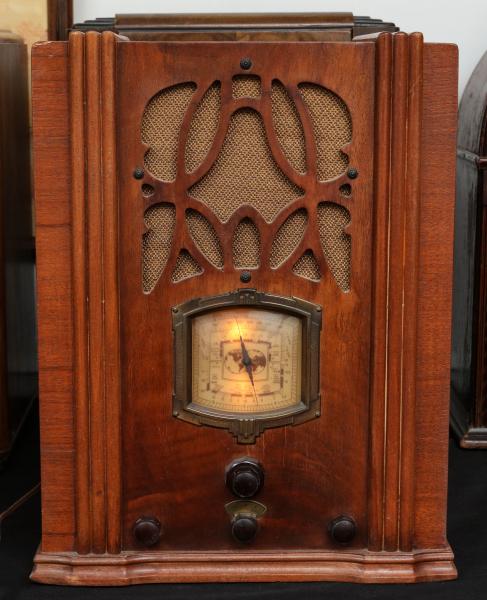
pixel 131 568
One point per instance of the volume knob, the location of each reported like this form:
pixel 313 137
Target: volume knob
pixel 244 528
pixel 147 531
pixel 244 477
pixel 342 529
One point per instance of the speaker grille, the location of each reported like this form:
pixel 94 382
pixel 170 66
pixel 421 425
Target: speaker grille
pixel 185 267
pixel 205 237
pixel 288 127
pixel 160 220
pixel 332 220
pixel 203 127
pixel 246 245
pixel 245 172
pixel 307 266
pixel 288 236
pixel 332 126
pixel 161 123
pixel 246 86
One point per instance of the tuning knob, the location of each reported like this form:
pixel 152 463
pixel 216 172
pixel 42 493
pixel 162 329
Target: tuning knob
pixel 342 529
pixel 244 477
pixel 244 528
pixel 147 531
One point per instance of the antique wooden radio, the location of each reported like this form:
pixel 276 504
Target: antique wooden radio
pixel 244 281
pixel 469 344
pixel 18 378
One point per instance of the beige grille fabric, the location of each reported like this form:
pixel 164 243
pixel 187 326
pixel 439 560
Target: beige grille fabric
pixel 307 266
pixel 245 172
pixel 161 123
pixel 160 219
pixel 246 245
pixel 204 125
pixel 288 127
pixel 346 190
pixel 185 267
pixel 205 237
pixel 288 236
pixel 246 86
pixel 332 126
pixel 336 244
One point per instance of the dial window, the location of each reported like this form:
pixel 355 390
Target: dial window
pixel 246 360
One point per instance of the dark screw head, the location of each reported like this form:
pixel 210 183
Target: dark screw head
pixel 147 531
pixel 245 64
pixel 245 277
pixel 343 529
pixel 352 173
pixel 138 173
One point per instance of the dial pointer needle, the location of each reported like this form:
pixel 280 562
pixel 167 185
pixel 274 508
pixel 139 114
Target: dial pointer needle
pixel 246 360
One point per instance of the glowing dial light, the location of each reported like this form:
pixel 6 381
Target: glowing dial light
pixel 246 360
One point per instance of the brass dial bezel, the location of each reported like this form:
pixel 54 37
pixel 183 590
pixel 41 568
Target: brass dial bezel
pixel 246 427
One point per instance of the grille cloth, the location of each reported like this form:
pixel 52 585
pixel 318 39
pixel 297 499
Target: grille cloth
pixel 160 219
pixel 332 126
pixel 288 127
pixel 185 267
pixel 307 267
pixel 246 86
pixel 288 237
pixel 205 237
pixel 336 244
pixel 245 172
pixel 161 123
pixel 346 190
pixel 203 127
pixel 246 245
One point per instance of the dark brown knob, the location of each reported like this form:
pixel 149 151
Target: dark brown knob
pixel 244 528
pixel 244 477
pixel 343 529
pixel 147 531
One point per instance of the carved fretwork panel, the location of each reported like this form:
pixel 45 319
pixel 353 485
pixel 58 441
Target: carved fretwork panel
pixel 243 171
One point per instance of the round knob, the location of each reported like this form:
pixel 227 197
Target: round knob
pixel 244 528
pixel 245 477
pixel 147 531
pixel 343 529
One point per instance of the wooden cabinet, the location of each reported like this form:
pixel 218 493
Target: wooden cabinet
pixel 239 26
pixel 18 380
pixel 244 285
pixel 469 376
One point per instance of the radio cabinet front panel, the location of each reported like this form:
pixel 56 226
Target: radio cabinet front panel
pixel 241 272
pixel 239 212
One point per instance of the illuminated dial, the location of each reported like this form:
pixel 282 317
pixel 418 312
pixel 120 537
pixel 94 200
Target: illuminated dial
pixel 246 360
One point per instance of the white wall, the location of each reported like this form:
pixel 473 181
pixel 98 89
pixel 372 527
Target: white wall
pixel 461 22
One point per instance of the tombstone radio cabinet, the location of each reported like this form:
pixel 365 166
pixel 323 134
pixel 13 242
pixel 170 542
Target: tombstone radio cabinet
pixel 244 286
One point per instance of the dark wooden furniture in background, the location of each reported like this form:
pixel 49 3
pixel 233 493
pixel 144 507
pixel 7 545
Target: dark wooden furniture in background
pixel 239 26
pixel 469 343
pixel 146 185
pixel 17 305
pixel 59 19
